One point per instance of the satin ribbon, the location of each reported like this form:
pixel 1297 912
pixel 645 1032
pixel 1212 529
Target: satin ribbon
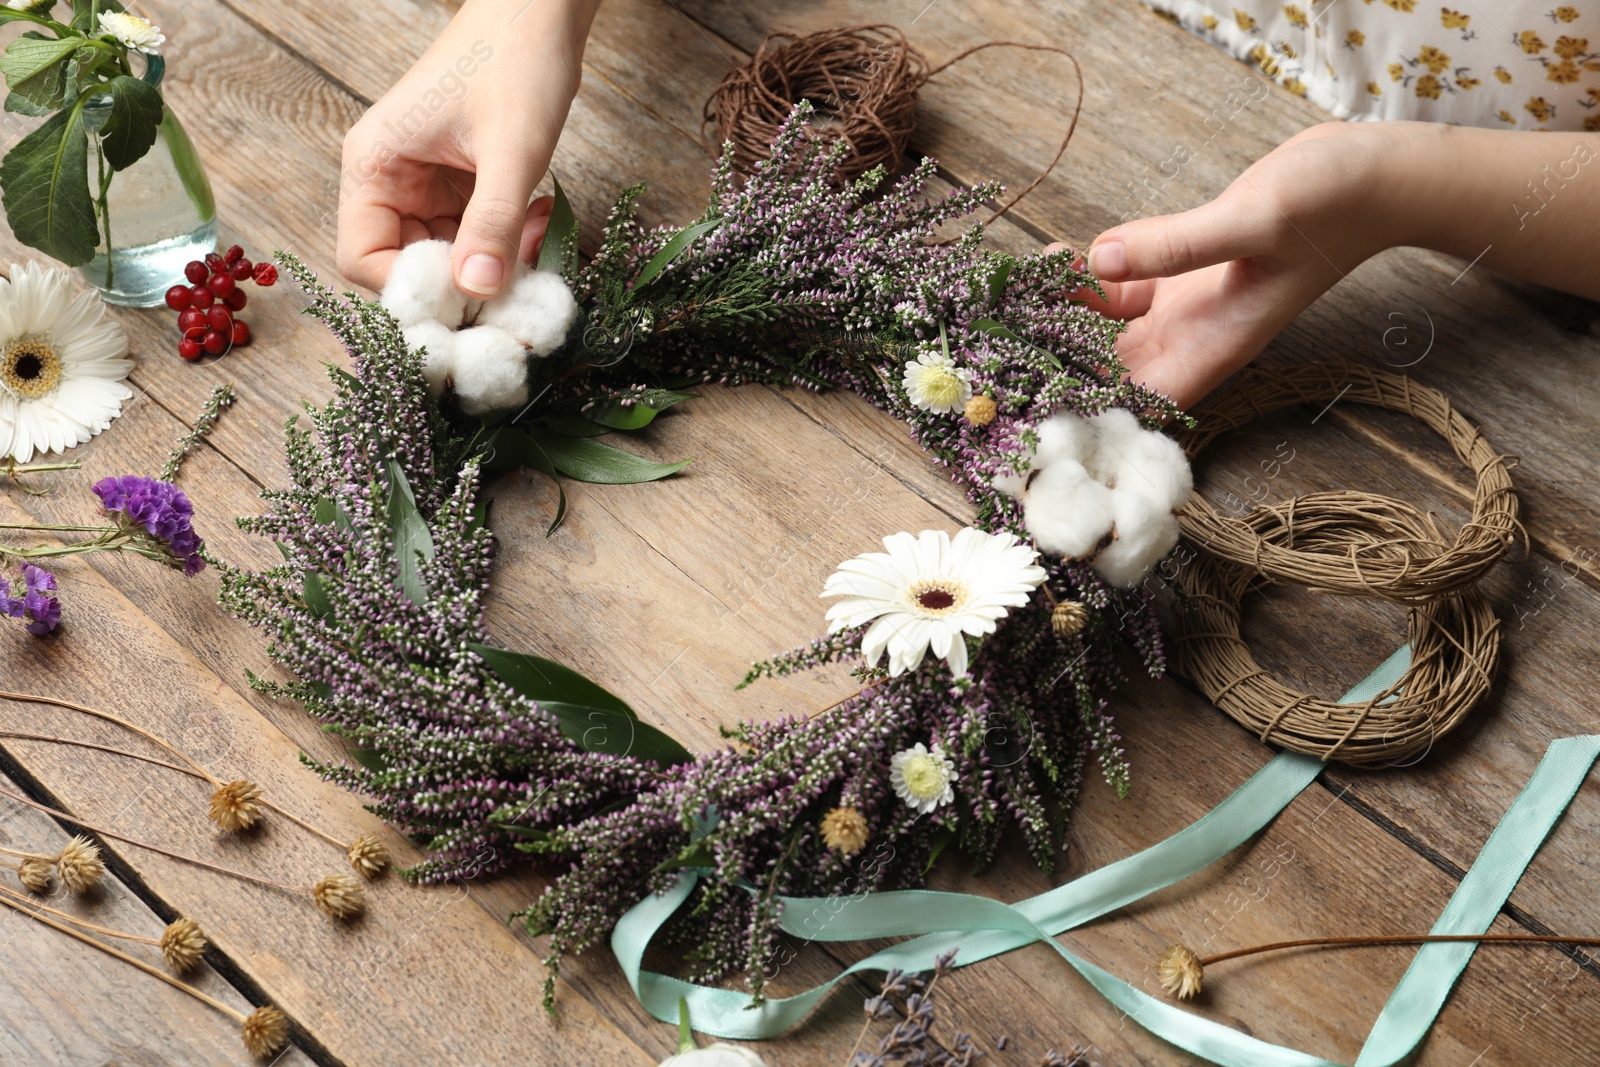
pixel 981 927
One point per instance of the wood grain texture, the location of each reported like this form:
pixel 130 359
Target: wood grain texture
pixel 666 591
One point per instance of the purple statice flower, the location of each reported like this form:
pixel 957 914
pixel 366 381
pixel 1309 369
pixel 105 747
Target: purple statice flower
pixel 158 508
pixel 37 606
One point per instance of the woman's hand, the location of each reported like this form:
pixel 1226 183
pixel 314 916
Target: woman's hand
pixel 1205 290
pixel 456 146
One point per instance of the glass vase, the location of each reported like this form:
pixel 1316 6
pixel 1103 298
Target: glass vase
pixel 158 215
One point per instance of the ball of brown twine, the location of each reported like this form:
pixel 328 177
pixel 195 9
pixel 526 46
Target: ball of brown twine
pixel 863 83
pixel 1416 572
pixel 1352 543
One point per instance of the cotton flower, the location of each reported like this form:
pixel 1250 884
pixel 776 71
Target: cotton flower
pixel 61 363
pixel 422 286
pixel 537 309
pixel 491 370
pixel 929 591
pixel 438 344
pixel 264 1031
pixel 1103 489
pixel 1180 972
pixel 923 779
pixel 36 604
pixel 844 830
pixel 134 32
pixel 719 1054
pixel 934 383
pixel 235 806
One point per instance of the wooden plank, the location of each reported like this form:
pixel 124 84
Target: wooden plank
pixel 69 1003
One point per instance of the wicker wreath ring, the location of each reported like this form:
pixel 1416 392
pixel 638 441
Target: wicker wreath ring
pixel 1351 543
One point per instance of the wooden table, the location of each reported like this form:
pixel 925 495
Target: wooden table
pixel 667 590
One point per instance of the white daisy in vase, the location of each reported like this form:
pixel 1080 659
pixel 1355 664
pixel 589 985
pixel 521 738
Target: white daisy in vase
pixel 923 779
pixel 134 32
pixel 61 363
pixel 931 591
pixel 934 383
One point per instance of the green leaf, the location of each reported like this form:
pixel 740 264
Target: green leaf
pixel 998 278
pixel 542 680
pixel 673 248
pixel 45 178
pixel 36 67
pixel 1000 329
pixel 18 104
pixel 592 461
pixel 410 535
pixel 134 122
pixel 510 448
pixel 190 172
pixel 562 230
pixel 614 414
pixel 370 758
pixel 941 840
pixel 573 425
pixel 317 596
pixel 81 12
pixel 615 734
pixel 698 854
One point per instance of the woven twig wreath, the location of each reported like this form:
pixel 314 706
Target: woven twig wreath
pixel 1353 543
pixel 1415 574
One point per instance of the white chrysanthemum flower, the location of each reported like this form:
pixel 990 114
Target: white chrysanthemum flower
pixel 32 7
pixel 134 32
pixel 61 363
pixel 934 383
pixel 923 779
pixel 1104 489
pixel 929 592
pixel 718 1054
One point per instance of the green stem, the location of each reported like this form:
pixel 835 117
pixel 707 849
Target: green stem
pixel 14 470
pixel 105 208
pixel 58 529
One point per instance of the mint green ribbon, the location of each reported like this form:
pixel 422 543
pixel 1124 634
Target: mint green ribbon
pixel 981 927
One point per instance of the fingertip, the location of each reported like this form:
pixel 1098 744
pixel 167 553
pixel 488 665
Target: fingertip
pixel 481 275
pixel 533 232
pixel 1108 260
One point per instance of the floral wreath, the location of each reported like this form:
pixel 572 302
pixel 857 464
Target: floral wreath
pixel 483 755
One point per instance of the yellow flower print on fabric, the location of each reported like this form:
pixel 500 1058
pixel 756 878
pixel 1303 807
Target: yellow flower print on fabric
pixel 1436 61
pixel 1570 47
pixel 1396 72
pixel 1508 118
pixel 1209 22
pixel 1295 16
pixel 1503 74
pixel 1530 42
pixel 1428 86
pixel 1540 109
pixel 1453 20
pixel 1405 7
pixel 1355 39
pixel 1563 73
pixel 1373 89
pixel 1246 21
pixel 1565 14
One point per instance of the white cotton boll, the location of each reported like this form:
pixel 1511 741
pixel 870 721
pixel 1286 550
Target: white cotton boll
pixel 491 370
pixel 1154 465
pixel 538 309
pixel 438 358
pixel 1066 511
pixel 1064 436
pixel 1010 484
pixel 422 286
pixel 1146 531
pixel 1114 432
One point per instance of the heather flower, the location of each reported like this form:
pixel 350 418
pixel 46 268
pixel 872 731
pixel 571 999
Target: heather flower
pixel 160 511
pixel 37 606
pixel 924 779
pixel 935 384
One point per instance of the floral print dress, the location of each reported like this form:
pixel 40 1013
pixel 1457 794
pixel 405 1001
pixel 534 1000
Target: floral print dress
pixel 1515 65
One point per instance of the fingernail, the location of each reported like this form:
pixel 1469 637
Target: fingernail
pixel 1108 261
pixel 481 274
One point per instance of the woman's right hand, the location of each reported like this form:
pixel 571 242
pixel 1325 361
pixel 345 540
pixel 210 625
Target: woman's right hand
pixel 455 148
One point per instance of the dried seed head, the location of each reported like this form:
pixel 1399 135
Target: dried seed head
pixel 236 806
pixel 340 896
pixel 265 1031
pixel 1180 972
pixel 368 856
pixel 980 410
pixel 844 830
pixel 35 875
pixel 79 864
pixel 1068 618
pixel 181 945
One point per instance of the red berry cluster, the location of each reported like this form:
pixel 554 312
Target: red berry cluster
pixel 206 308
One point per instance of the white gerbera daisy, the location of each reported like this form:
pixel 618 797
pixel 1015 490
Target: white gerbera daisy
pixel 134 32
pixel 61 363
pixel 934 383
pixel 929 591
pixel 923 779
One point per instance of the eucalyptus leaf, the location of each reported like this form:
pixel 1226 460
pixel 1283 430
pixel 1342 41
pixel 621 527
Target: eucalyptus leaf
pixel 1000 329
pixel 36 67
pixel 370 758
pixel 573 425
pixel 45 179
pixel 562 230
pixel 135 119
pixel 672 249
pixel 317 596
pixel 511 448
pixel 615 734
pixel 618 416
pixel 698 854
pixel 941 840
pixel 409 534
pixel 999 276
pixel 592 461
pixel 542 680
